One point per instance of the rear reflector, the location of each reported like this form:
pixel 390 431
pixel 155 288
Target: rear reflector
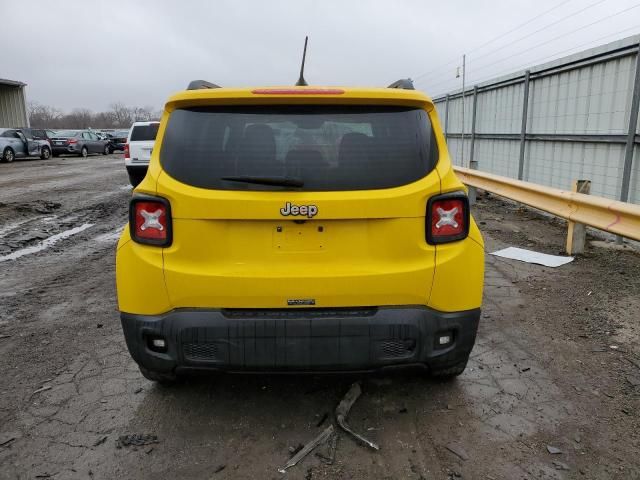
pixel 150 220
pixel 297 91
pixel 447 218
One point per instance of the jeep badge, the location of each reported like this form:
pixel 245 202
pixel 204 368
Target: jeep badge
pixel 309 211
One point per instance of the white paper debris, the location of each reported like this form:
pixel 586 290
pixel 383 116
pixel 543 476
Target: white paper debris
pixel 530 256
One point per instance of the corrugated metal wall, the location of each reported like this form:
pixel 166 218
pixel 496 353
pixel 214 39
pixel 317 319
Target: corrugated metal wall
pixel 13 109
pixel 577 122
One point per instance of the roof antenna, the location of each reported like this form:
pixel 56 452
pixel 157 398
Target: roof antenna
pixel 301 81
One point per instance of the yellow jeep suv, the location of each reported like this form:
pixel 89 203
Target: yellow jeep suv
pixel 299 229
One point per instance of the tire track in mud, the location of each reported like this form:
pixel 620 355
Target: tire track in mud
pixel 33 224
pixel 51 239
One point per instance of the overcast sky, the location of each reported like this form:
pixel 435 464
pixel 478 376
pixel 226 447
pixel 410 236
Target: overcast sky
pixel 90 53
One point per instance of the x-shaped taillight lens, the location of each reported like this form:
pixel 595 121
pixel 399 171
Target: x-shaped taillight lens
pixel 150 221
pixel 447 218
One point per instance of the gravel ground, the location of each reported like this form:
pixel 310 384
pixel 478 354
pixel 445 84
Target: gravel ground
pixel 556 364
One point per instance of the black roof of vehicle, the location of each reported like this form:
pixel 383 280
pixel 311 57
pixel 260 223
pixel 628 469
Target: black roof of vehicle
pixel 404 83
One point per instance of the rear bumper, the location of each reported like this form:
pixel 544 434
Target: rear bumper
pixel 300 339
pixel 63 149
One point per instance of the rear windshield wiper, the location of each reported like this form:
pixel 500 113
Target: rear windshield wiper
pixel 275 181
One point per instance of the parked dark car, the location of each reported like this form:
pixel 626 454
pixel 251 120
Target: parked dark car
pixel 117 140
pixel 78 142
pixel 23 142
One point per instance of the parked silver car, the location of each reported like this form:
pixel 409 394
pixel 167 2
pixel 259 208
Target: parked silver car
pixel 21 143
pixel 78 142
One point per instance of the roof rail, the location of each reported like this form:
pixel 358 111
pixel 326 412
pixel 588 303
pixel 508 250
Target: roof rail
pixel 405 83
pixel 198 84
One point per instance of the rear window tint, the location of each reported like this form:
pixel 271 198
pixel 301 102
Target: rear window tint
pixel 327 148
pixel 144 132
pixel 67 134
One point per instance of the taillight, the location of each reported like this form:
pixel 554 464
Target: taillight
pixel 150 220
pixel 298 91
pixel 126 151
pixel 71 140
pixel 447 218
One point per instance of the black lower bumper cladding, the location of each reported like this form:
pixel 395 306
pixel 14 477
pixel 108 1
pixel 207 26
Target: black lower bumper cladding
pixel 300 339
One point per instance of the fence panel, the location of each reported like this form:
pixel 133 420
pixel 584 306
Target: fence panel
pixel 577 122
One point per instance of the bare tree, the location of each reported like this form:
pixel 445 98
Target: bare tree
pixel 104 120
pixel 42 116
pixel 119 116
pixel 122 114
pixel 142 114
pixel 79 118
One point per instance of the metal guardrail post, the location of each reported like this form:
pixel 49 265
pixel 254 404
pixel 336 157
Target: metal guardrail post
pixel 631 135
pixel 473 164
pixel 577 232
pixel 472 193
pixel 446 118
pixel 523 129
pixel 473 127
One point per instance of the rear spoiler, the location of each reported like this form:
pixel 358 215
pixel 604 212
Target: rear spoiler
pixel 404 83
pixel 200 84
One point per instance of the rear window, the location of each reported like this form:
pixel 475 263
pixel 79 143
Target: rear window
pixel 322 148
pixel 67 134
pixel 144 132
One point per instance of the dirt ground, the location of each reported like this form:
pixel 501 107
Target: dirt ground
pixel 556 364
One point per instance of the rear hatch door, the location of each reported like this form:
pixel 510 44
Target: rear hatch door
pixel 285 206
pixel 142 141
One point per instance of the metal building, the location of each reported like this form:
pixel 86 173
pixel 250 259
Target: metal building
pixel 13 104
pixel 569 119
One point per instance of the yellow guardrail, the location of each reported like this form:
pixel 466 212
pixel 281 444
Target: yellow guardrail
pixel 611 216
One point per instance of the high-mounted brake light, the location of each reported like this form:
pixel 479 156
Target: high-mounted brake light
pixel 447 218
pixel 150 220
pixel 297 91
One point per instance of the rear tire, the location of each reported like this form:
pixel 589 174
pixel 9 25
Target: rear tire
pixel 45 153
pixel 8 155
pixel 84 152
pixel 164 379
pixel 449 373
pixel 106 150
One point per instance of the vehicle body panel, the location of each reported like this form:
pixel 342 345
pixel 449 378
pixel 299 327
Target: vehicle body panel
pixel 364 248
pixel 117 139
pixel 23 142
